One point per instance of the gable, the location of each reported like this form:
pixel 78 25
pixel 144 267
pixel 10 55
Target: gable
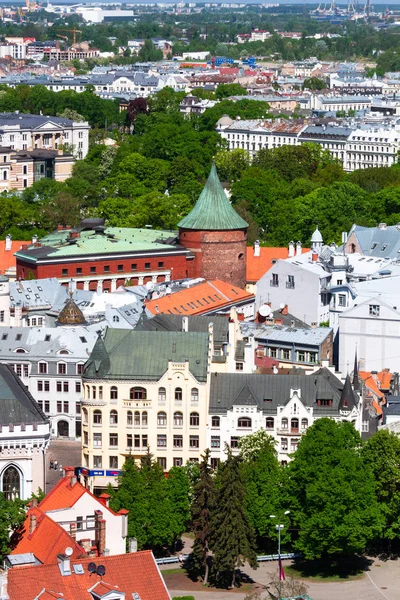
pixel 49 125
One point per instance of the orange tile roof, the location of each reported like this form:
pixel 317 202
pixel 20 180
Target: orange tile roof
pixel 199 299
pixel 47 540
pixel 257 266
pixel 7 258
pixel 63 495
pixel 370 383
pixel 134 572
pixel 384 378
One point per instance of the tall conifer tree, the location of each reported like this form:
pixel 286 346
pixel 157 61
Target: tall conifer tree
pixel 202 507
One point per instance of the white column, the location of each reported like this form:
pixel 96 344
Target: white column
pixel 113 285
pixel 140 280
pixel 86 286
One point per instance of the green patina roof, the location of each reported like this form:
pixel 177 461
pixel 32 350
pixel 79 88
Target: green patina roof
pixel 213 211
pixel 145 354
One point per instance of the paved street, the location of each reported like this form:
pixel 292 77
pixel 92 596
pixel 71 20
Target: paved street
pixel 67 453
pixel 382 582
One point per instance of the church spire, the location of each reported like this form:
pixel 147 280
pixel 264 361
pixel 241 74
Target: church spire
pixel 348 398
pixel 356 378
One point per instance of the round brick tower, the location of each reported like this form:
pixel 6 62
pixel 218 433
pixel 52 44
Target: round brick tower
pixel 216 235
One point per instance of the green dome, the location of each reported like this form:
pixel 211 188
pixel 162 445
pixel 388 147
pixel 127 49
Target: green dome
pixel 213 211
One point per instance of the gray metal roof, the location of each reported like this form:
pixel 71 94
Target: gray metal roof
pixel 383 243
pixel 16 403
pixel 195 323
pixel 271 391
pixel 292 335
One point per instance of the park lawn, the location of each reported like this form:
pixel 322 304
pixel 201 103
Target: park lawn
pixel 321 571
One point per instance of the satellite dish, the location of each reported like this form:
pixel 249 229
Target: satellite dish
pixel 92 567
pixel 281 306
pixel 264 310
pixel 68 551
pixel 101 570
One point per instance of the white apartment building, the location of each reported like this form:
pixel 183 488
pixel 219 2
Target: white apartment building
pixel 29 132
pixel 370 146
pixel 282 405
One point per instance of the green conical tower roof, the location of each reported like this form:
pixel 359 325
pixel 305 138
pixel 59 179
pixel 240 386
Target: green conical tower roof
pixel 213 211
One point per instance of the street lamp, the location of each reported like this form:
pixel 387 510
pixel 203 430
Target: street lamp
pixel 279 527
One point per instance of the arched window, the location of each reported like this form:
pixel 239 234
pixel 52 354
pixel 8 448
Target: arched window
pixel 294 424
pixel 144 418
pixel 84 416
pixel 115 319
pixel 113 417
pixel 20 351
pixel 294 408
pixel 304 424
pixel 137 418
pixel 11 483
pixel 87 387
pixel 129 418
pixel 137 393
pixel 97 417
pixel 94 392
pixel 162 418
pixel 244 422
pixel 178 419
pixel 284 423
pixel 114 393
pixel 162 394
pixel 215 421
pixel 194 395
pixel 269 423
pixel 178 393
pixel 194 419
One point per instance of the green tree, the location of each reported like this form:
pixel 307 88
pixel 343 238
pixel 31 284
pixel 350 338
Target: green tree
pixel 229 89
pixel 201 511
pixel 262 474
pixel 148 52
pixel 381 454
pixel 233 540
pixel 231 163
pixel 331 493
pixel 314 84
pixel 12 516
pixel 179 494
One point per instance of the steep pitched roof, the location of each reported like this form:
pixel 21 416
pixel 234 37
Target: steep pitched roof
pixel 348 399
pixel 71 314
pixel 46 541
pixel 245 397
pixel 134 572
pixel 213 211
pixel 16 403
pixel 132 354
pixel 257 266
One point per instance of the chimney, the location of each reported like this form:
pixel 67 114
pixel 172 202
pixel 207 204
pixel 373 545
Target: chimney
pixel 298 249
pixel 73 480
pixel 382 226
pixel 34 502
pixel 285 310
pixel 32 523
pixel 72 531
pixel 291 249
pixel 34 239
pixel 99 288
pixel 105 499
pixel 17 314
pixel 374 375
pixel 257 248
pixel 64 563
pixel 60 227
pixel 275 370
pixel 69 472
pixel 8 242
pixel 185 324
pixel 132 545
pixel 100 531
pixel 314 256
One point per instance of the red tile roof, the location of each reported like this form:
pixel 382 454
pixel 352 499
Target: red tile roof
pixel 383 381
pixel 135 572
pixel 47 540
pixel 64 495
pixel 199 299
pixel 257 266
pixel 7 258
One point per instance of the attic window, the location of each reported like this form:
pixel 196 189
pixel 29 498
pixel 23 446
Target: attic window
pixel 47 338
pixel 83 340
pixel 18 337
pixel 267 399
pixel 4 336
pixel 384 247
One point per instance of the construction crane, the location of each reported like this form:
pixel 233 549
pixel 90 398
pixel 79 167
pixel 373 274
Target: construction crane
pixel 64 37
pixel 74 31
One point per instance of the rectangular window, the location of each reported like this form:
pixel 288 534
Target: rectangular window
pixel 26 370
pixel 79 270
pixel 59 406
pixel 97 462
pixel 120 267
pixel 286 354
pixel 137 440
pixel 47 386
pixel 193 441
pixel 301 356
pixel 273 352
pixel 374 310
pixel 66 406
pixel 64 272
pixel 129 440
pixel 106 268
pixel 147 265
pixel 239 366
pixel 59 386
pixel 290 282
pixel 18 370
pixel 43 368
pixel 85 438
pixel 2 316
pixel 342 300
pixel 133 266
pixel 93 269
pixel 79 369
pixel 62 369
pixel 79 523
pixel 161 441
pixel 275 280
pixel 113 439
pixel 162 462
pixel 77 408
pixel 145 441
pixel 40 403
pixel 178 441
pixel 178 462
pixel 97 440
pixel 78 387
pixel 65 386
pixel 234 442
pixel 215 441
pixel 113 462
pixel 40 386
pixel 160 265
pixel 47 406
pixel 284 445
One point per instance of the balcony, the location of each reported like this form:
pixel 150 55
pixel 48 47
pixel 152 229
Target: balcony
pixel 274 283
pixel 290 285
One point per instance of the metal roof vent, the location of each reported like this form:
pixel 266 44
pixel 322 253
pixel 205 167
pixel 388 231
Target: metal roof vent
pixel 78 569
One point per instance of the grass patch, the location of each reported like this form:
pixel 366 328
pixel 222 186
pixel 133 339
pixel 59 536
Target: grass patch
pixel 172 571
pixel 329 570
